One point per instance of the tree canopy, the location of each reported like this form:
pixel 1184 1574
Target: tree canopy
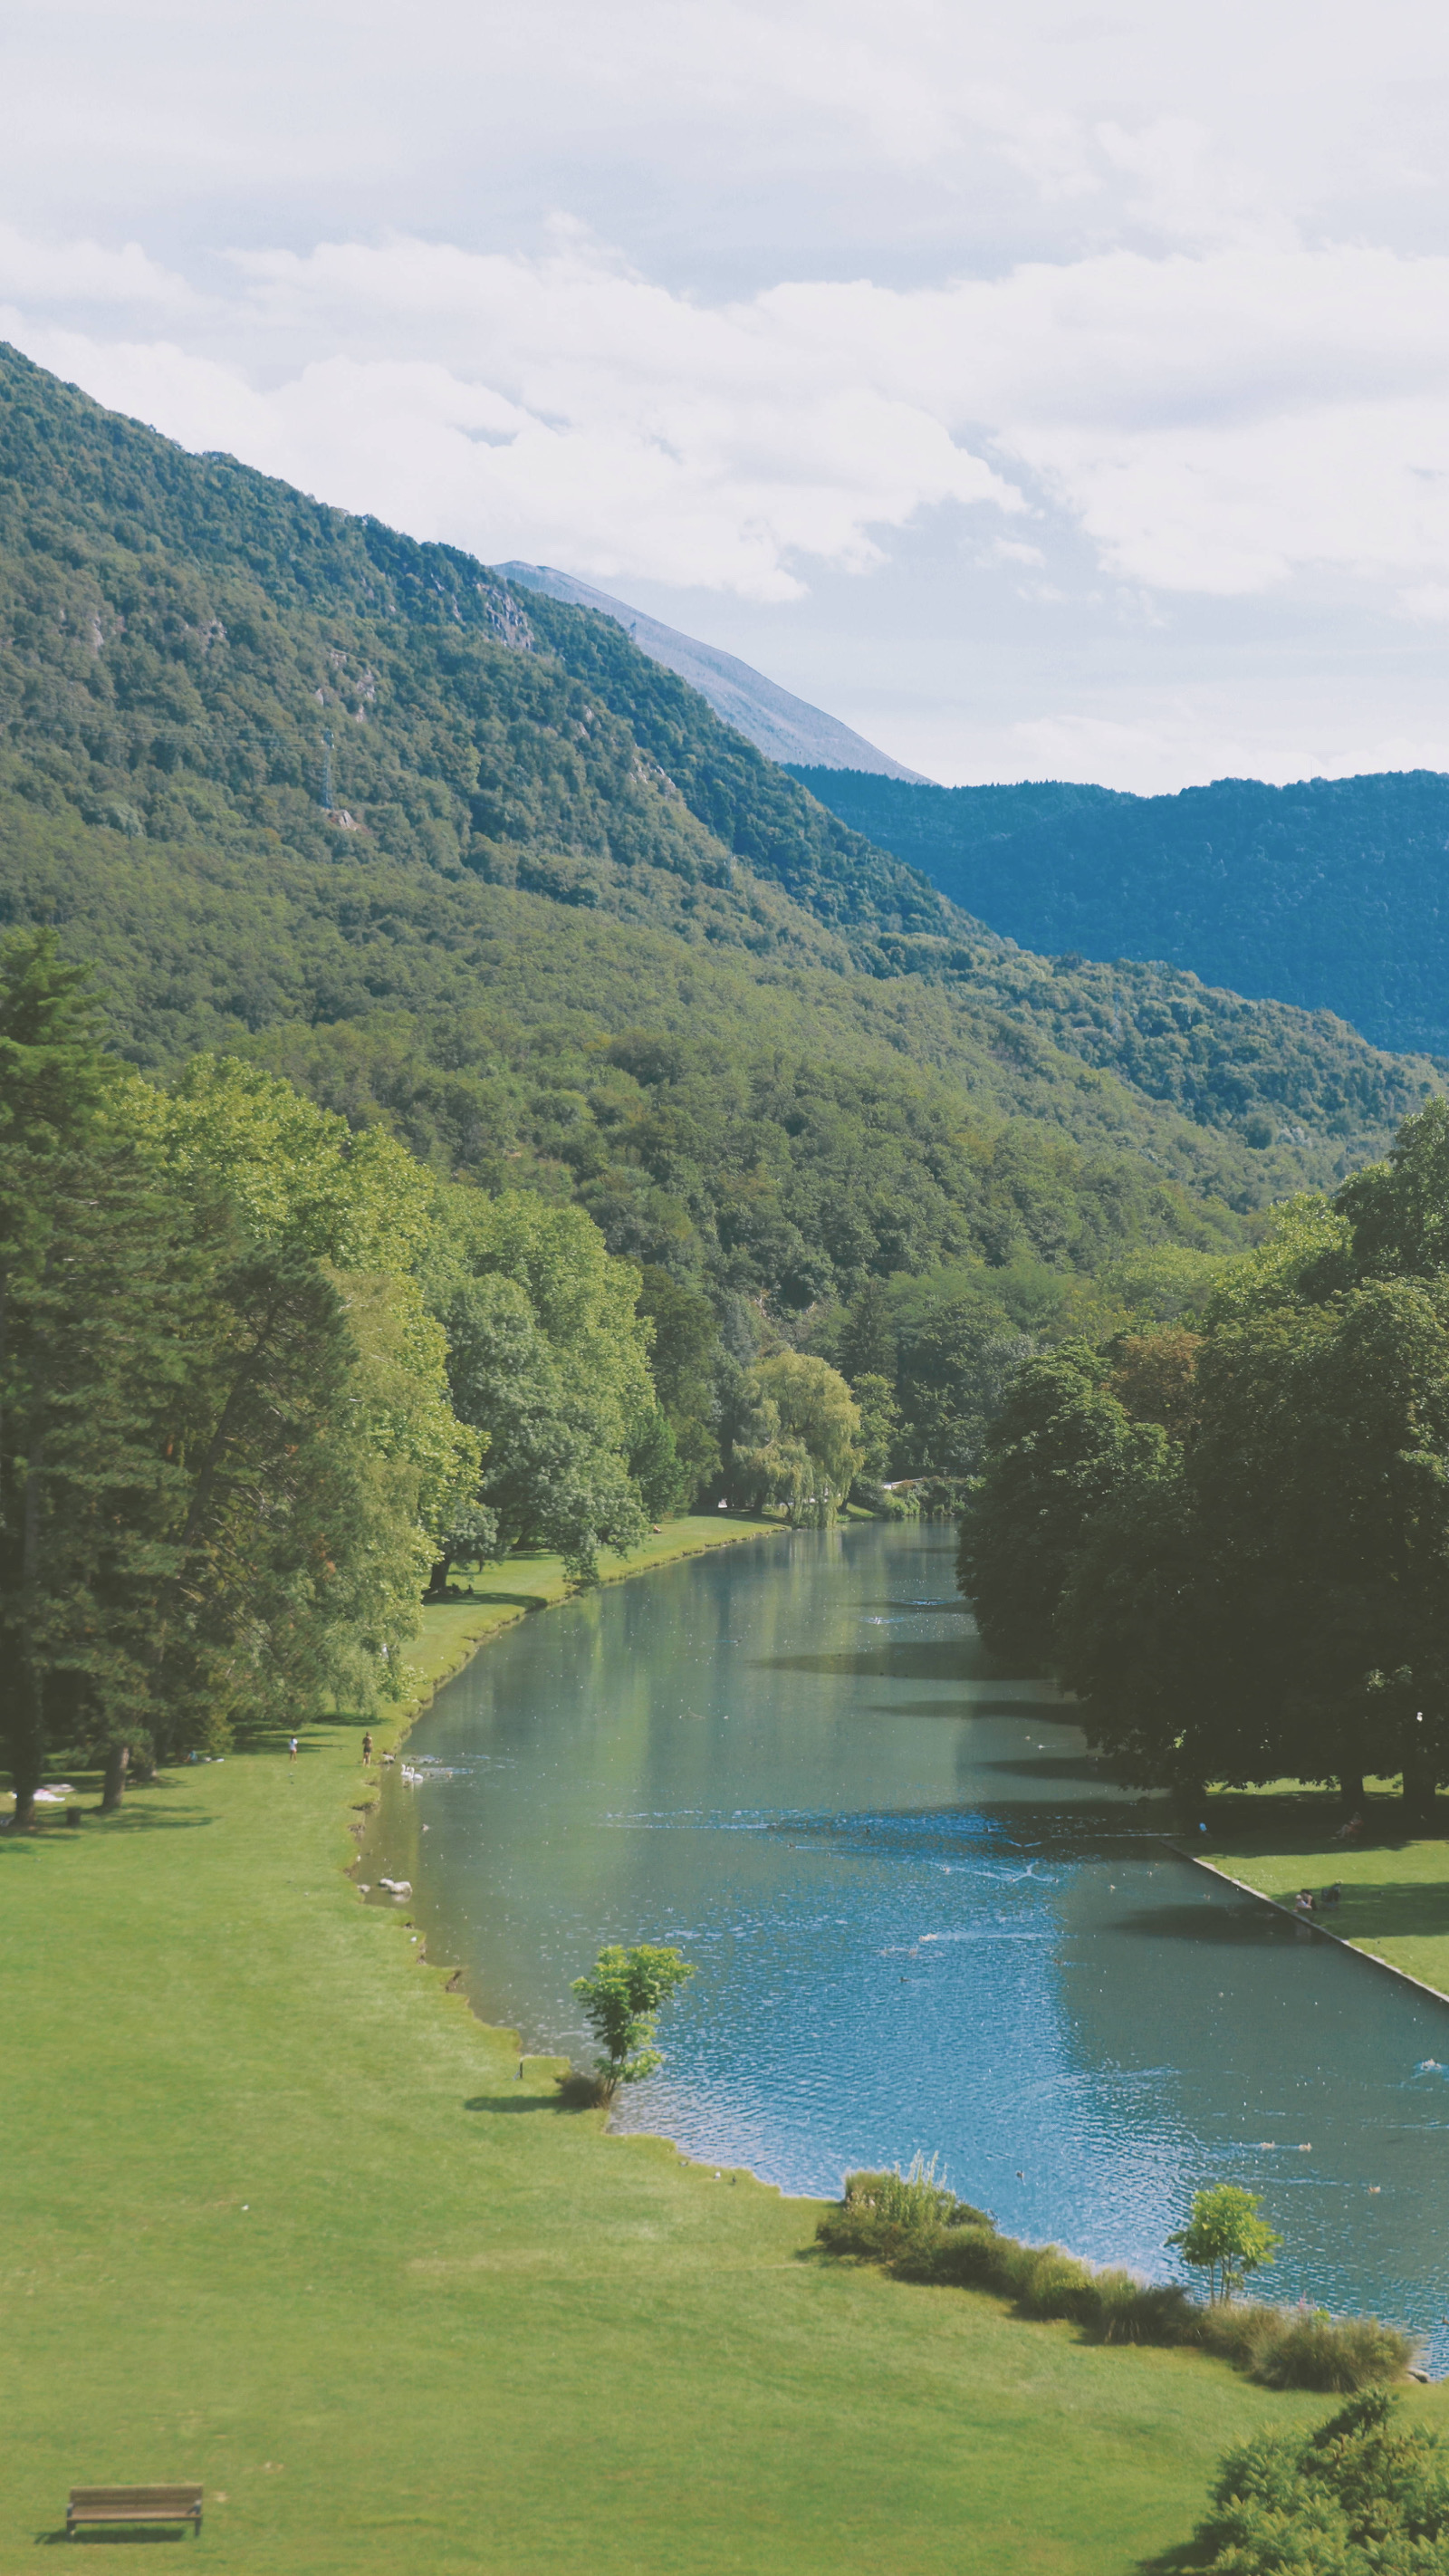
pixel 1233 1544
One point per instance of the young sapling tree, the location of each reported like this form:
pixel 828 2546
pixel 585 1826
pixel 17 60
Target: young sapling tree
pixel 622 2001
pixel 1226 2238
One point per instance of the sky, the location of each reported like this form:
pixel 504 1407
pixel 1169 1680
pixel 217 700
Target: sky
pixel 1052 392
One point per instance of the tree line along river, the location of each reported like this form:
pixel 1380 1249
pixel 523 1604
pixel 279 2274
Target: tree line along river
pixel 922 1921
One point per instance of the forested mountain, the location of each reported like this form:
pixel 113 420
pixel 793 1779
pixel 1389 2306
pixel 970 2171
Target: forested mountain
pixel 467 866
pixel 179 634
pixel 1333 894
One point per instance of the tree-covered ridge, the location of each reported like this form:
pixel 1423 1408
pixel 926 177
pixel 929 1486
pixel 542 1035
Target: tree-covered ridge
pixel 1332 893
pixel 201 947
pixel 219 621
pixel 756 1169
pixel 178 634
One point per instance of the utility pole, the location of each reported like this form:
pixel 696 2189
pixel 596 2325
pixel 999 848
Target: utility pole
pixel 327 773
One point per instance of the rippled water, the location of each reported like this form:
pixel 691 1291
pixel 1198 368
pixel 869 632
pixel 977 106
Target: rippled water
pixel 921 1922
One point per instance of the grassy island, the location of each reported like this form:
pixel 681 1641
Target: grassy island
pixel 281 2217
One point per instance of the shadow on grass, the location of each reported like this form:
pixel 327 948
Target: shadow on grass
pixel 127 1820
pixel 266 1738
pixel 520 2102
pixel 1310 1819
pixel 1390 1910
pixel 1188 2556
pixel 103 2536
pixel 510 1601
pixel 144 1820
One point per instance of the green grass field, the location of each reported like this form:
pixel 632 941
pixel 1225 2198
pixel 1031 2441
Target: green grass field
pixel 280 2217
pixel 1395 1884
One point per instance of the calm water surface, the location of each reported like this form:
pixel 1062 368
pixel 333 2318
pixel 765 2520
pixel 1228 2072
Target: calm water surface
pixel 921 1922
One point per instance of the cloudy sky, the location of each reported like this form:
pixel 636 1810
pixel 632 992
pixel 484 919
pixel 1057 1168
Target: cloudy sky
pixel 1052 392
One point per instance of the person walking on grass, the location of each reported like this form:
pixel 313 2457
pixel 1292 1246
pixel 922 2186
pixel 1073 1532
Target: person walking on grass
pixel 367 1745
pixel 291 1748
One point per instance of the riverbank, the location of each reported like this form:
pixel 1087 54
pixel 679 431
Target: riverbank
pixel 1395 1904
pixel 281 2218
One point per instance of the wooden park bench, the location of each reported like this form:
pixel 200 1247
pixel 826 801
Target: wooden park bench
pixel 132 2504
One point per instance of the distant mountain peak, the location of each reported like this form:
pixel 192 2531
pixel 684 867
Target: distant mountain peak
pixel 784 727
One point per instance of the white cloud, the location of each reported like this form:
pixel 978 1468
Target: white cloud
pixel 577 412
pixel 733 296
pixel 46 274
pixel 1213 424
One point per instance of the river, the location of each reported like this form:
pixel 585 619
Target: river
pixel 922 1922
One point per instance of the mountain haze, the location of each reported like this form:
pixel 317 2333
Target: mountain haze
pixel 784 727
pixel 1333 893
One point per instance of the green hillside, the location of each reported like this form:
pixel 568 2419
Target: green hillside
pixel 1332 893
pixel 525 844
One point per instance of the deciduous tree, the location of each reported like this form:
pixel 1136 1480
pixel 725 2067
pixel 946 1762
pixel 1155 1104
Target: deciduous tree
pixel 1226 2238
pixel 622 2001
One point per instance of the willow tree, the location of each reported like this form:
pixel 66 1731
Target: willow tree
pixel 799 1442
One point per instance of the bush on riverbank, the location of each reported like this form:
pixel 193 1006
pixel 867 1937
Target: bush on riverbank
pixel 1365 2492
pixel 912 2225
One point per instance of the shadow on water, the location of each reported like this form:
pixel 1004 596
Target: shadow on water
pixel 924 1609
pixel 940 1660
pixel 1038 1712
pixel 1027 1832
pixel 1049 1766
pixel 1211 1924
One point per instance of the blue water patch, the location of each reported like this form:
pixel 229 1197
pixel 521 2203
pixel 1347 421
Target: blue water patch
pixel 923 1921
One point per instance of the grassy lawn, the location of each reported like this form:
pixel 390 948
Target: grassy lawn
pixel 280 2217
pixel 1395 1884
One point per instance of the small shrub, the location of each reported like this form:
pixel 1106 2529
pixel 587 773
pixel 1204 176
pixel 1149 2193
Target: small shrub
pixel 960 2258
pixel 584 2089
pixel 1129 2311
pixel 893 2217
pixel 857 2227
pixel 912 2200
pixel 1338 2355
pixel 1053 2284
pixel 1241 2331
